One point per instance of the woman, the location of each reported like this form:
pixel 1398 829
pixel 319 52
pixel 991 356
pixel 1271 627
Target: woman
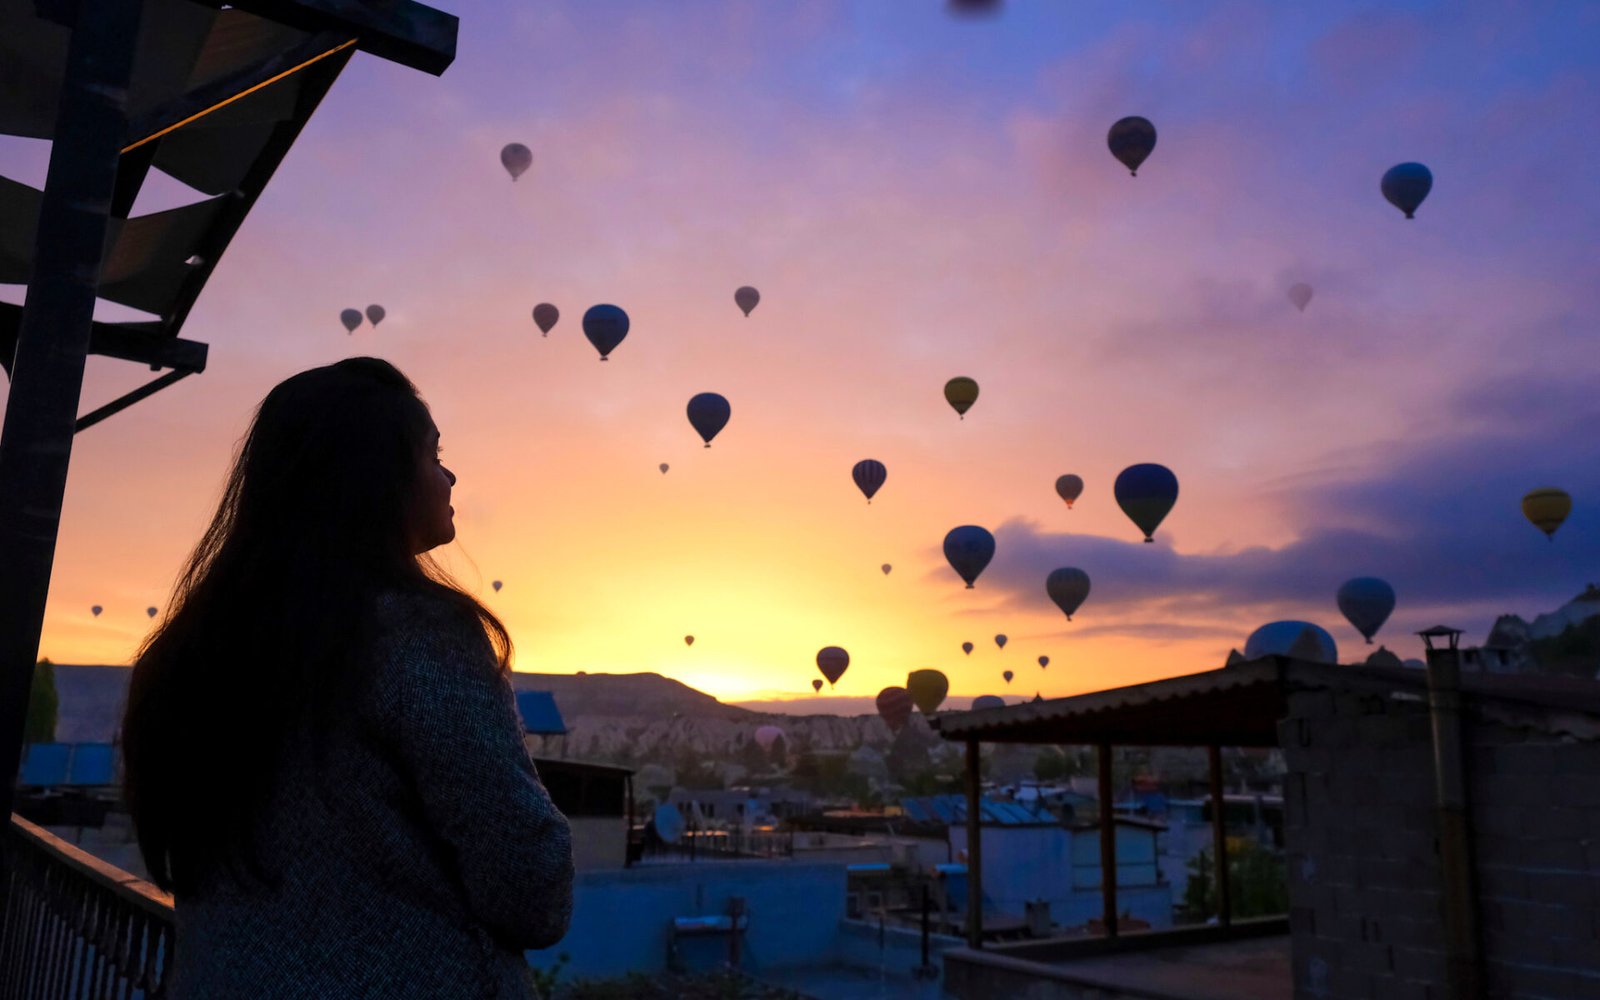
pixel 324 761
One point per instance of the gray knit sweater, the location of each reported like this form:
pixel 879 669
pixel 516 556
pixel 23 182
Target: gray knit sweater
pixel 431 858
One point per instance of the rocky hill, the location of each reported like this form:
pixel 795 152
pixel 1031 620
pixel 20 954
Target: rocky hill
pixel 610 717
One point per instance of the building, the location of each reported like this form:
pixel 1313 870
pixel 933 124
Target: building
pixel 1441 830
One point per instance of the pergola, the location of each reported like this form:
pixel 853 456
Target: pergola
pixel 1238 706
pixel 211 94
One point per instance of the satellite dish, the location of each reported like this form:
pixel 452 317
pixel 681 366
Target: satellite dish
pixel 669 823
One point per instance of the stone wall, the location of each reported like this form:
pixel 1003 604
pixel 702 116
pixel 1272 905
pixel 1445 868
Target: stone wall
pixel 1364 871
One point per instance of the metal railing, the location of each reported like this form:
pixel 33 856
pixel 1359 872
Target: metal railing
pixel 76 927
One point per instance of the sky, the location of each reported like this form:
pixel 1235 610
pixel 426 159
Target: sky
pixel 919 196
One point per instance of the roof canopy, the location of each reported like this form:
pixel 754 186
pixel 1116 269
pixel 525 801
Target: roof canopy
pixel 217 98
pixel 1240 706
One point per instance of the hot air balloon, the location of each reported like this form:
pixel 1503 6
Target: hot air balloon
pixel 1366 602
pixel 375 314
pixel 1305 640
pixel 497 585
pixel 605 326
pixel 1131 140
pixel 984 701
pixel 1069 488
pixel 1008 675
pixel 816 685
pixel 832 661
pixel 516 158
pixel 966 647
pixel 894 706
pixel 150 612
pixel 708 414
pixel 1146 494
pixel 746 298
pixel 1044 661
pixel 1300 295
pixel 1067 586
pixel 96 610
pixel 1405 185
pixel 545 316
pixel 1547 508
pixel 968 550
pixel 928 689
pixel 766 736
pixel 688 640
pixel 664 468
pixel 869 475
pixel 886 568
pixel 351 318
pixel 970 7
pixel 961 393
pixel 1000 640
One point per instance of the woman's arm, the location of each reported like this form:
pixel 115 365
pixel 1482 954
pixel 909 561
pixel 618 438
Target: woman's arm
pixel 456 727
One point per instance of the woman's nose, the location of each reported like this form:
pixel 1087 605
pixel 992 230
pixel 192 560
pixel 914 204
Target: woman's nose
pixel 452 476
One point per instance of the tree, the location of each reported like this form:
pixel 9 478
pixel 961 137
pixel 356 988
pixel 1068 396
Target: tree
pixel 43 705
pixel 1257 882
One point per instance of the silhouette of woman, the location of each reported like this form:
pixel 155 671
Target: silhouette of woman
pixel 323 757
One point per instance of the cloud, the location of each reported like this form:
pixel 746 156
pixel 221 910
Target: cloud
pixel 1440 519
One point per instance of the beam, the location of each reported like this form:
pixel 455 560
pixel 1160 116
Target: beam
pixel 53 345
pixel 400 31
pixel 127 399
pixel 1108 844
pixel 220 93
pixel 974 849
pixel 1219 838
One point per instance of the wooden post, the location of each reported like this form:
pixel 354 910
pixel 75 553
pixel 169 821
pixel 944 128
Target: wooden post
pixel 974 850
pixel 53 344
pixel 1219 839
pixel 1108 845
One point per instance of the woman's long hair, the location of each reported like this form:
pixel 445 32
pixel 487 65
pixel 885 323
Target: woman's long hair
pixel 271 628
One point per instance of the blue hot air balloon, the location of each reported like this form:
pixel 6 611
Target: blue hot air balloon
pixel 984 701
pixel 605 326
pixel 708 412
pixel 969 549
pixel 869 475
pixel 1146 494
pixel 1292 638
pixel 1366 602
pixel 1405 185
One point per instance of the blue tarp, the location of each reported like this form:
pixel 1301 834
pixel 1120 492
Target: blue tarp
pixel 91 765
pixel 540 716
pixel 45 764
pixel 952 809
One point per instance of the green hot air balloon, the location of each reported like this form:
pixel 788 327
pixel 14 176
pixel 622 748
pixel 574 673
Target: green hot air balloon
pixel 1146 493
pixel 927 689
pixel 961 392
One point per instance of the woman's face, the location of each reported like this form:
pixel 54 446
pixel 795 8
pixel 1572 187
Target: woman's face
pixel 433 523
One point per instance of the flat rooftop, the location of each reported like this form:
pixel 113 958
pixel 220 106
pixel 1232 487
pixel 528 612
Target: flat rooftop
pixel 1257 969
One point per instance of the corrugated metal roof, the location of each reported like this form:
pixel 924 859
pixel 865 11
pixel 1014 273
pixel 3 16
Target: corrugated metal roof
pixel 1241 705
pixel 952 810
pixel 540 716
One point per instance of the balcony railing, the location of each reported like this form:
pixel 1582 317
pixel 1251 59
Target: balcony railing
pixel 76 927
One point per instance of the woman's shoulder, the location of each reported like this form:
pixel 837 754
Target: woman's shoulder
pixel 412 618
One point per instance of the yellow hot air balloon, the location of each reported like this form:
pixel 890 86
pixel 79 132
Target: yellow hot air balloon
pixel 961 393
pixel 1547 508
